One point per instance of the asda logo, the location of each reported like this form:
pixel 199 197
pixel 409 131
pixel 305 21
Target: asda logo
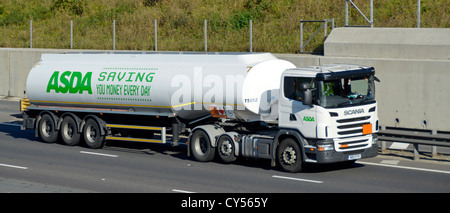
pixel 71 82
pixel 308 118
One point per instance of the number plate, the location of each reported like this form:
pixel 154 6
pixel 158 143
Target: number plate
pixel 354 157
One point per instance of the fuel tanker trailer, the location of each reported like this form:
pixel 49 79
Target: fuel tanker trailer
pixel 251 105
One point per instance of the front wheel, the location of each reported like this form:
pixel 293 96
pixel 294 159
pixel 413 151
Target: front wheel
pixel 289 155
pixel 201 146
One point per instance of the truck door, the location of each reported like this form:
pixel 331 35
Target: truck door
pixel 292 112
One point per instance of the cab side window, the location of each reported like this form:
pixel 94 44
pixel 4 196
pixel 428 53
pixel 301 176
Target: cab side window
pixel 292 89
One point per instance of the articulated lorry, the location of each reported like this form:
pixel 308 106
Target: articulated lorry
pixel 229 105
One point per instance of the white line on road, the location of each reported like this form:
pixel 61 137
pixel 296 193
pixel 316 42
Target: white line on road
pixel 100 154
pixel 11 124
pixel 13 166
pixel 181 191
pixel 297 179
pixel 390 162
pixel 405 167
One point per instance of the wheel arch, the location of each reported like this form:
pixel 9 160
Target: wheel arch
pixel 232 135
pixel 77 120
pixel 288 133
pixel 52 115
pixel 213 132
pixel 100 122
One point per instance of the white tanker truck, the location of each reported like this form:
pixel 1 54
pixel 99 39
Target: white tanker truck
pixel 227 104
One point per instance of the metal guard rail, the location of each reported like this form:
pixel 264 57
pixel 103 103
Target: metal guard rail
pixel 414 136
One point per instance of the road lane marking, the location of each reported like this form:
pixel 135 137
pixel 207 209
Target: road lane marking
pixel 405 167
pixel 13 166
pixel 181 191
pixel 11 124
pixel 100 154
pixel 297 179
pixel 390 162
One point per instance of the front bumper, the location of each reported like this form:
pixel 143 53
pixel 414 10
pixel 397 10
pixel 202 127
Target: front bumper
pixel 333 156
pixel 330 155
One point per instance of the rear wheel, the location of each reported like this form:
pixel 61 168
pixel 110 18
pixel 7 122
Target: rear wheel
pixel 289 155
pixel 69 131
pixel 47 129
pixel 226 149
pixel 201 146
pixel 92 134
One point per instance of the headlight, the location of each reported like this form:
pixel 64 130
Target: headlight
pixel 325 147
pixel 374 139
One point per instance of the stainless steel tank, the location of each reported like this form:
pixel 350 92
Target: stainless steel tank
pixel 188 85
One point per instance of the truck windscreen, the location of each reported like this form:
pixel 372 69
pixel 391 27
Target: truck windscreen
pixel 344 92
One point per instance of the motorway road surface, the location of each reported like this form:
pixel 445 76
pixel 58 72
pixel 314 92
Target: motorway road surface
pixel 29 165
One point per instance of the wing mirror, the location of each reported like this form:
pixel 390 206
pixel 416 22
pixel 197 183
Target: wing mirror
pixel 307 93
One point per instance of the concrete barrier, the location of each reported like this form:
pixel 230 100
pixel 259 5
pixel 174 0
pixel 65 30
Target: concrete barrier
pixel 400 43
pixel 16 63
pixel 414 92
pixel 413 66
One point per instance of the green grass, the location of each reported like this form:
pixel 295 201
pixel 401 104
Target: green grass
pixel 180 22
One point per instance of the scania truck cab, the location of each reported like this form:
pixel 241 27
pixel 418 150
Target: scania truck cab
pixel 334 111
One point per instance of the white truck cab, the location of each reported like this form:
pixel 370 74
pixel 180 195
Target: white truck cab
pixel 333 108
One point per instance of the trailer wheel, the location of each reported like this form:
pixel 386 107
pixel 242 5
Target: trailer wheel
pixel 69 131
pixel 289 155
pixel 201 146
pixel 226 149
pixel 47 129
pixel 92 134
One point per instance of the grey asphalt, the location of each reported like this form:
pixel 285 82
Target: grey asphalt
pixel 29 165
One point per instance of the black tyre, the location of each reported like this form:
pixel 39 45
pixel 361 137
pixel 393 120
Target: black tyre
pixel 92 134
pixel 69 131
pixel 226 149
pixel 47 129
pixel 201 146
pixel 289 155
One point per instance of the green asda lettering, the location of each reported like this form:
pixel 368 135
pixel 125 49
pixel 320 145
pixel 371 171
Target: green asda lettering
pixel 68 81
pixel 308 118
pixel 126 76
pixel 130 85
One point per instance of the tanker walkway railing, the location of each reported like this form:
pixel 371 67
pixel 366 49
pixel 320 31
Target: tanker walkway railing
pixel 414 136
